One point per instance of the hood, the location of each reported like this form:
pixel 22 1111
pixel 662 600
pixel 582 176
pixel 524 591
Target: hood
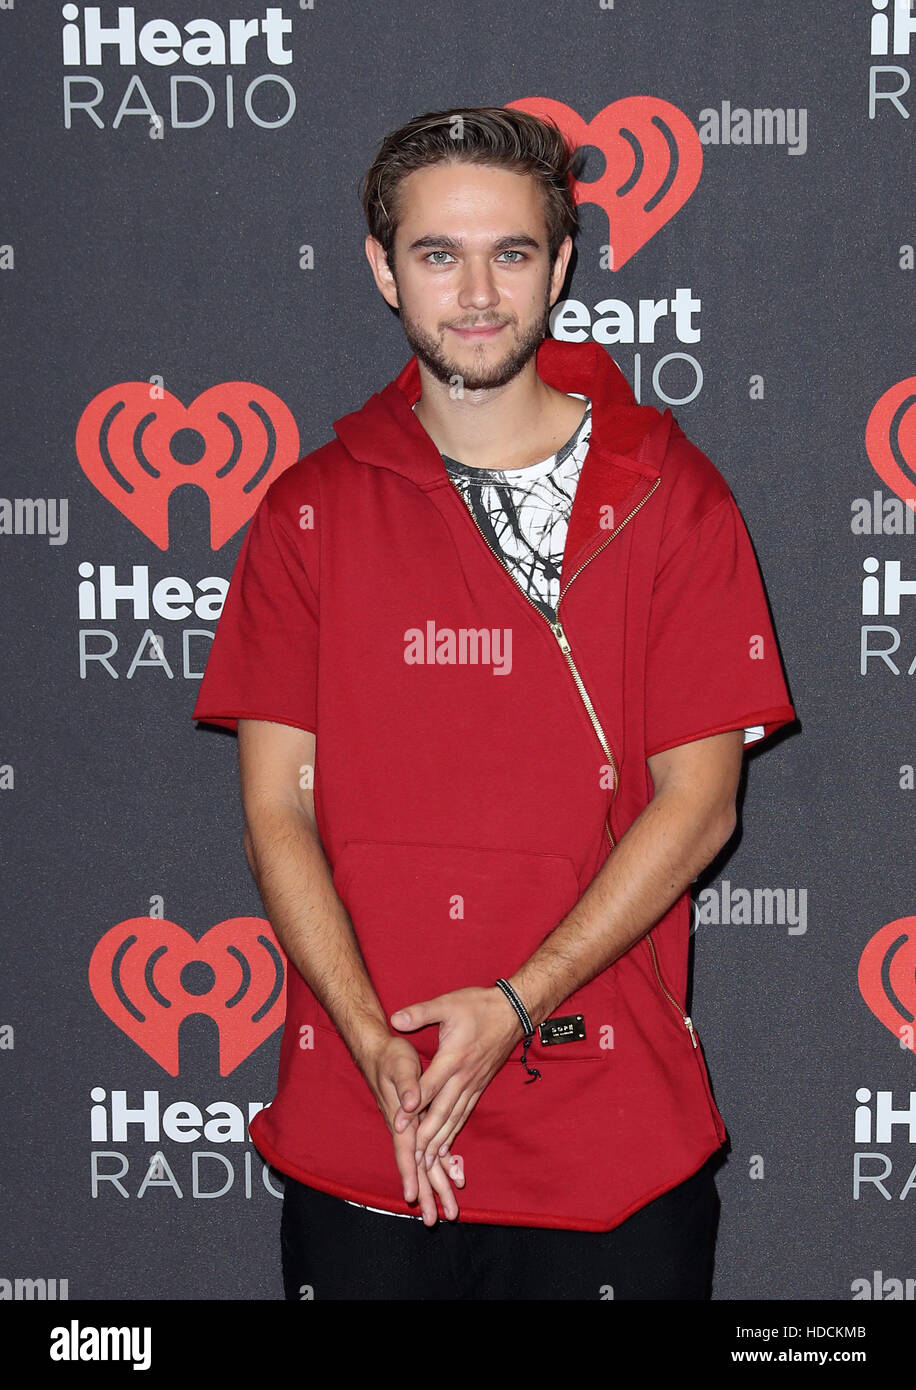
pixel 385 432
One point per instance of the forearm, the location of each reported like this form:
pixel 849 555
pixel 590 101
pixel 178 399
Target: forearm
pixel 311 923
pixel 659 856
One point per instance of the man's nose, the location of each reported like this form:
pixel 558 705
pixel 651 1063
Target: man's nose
pixel 478 283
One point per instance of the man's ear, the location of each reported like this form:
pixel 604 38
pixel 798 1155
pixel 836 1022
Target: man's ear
pixel 558 274
pixel 375 254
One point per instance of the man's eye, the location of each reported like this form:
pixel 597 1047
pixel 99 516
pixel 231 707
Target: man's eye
pixel 519 254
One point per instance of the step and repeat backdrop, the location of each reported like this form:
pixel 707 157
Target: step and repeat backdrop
pixel 183 282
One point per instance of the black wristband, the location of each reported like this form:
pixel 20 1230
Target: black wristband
pixel 527 1026
pixel 518 1006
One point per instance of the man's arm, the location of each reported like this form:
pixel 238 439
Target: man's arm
pixel 287 859
pixel 689 819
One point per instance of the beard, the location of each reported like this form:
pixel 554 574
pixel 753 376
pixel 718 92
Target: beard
pixel 476 376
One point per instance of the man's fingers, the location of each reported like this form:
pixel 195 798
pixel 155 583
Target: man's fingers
pixel 405 1077
pixel 437 1118
pixel 454 1166
pixel 437 1144
pixel 398 1084
pixel 427 1196
pixel 417 1015
pixel 429 1084
pixel 420 1185
pixel 405 1146
pixel 439 1179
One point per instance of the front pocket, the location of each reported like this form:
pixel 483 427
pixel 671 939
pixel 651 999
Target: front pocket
pixel 435 918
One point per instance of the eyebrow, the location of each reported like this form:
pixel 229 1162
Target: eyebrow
pixel 448 243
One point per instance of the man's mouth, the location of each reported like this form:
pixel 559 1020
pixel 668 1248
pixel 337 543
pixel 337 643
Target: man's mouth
pixel 485 330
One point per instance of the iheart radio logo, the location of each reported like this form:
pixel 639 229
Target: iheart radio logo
pixel 148 975
pixel 136 443
pixel 887 978
pixel 653 160
pixel 890 438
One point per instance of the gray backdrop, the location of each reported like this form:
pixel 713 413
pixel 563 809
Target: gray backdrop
pixel 177 255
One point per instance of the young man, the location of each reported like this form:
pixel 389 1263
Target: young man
pixel 514 622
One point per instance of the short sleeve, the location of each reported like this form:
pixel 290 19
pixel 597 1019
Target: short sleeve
pixel 263 662
pixel 712 661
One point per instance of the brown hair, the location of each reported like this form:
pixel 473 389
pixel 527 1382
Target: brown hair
pixel 493 135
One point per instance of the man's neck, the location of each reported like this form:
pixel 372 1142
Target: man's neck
pixel 505 427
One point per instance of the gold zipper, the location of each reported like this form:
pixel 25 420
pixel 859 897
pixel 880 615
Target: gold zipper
pixel 557 629
pixel 565 648
pixel 688 1021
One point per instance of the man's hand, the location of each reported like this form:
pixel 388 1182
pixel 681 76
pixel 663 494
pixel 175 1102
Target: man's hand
pixel 478 1028
pixel 392 1069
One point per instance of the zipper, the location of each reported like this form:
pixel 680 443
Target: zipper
pixel 556 628
pixel 688 1021
pixel 565 648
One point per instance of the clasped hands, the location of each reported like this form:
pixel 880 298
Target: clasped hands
pixel 478 1029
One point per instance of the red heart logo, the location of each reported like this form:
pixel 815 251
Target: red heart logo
pixel 140 978
pixel 887 978
pixel 235 439
pixel 890 438
pixel 653 161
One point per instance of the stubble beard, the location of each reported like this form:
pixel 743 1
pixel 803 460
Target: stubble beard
pixel 430 352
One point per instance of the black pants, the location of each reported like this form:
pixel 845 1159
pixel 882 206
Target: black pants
pixel 332 1250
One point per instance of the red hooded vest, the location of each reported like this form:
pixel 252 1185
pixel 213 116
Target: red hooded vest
pixel 474 766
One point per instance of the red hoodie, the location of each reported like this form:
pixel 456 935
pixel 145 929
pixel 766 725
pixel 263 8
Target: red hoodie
pixel 465 786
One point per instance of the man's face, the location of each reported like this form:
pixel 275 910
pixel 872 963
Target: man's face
pixel 471 254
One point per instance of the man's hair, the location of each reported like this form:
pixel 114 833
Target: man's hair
pixel 490 135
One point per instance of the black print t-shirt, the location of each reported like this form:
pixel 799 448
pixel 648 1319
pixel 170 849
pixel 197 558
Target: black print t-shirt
pixel 524 512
